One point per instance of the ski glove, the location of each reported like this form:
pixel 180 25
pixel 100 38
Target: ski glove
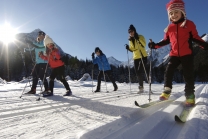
pixel 40 53
pixel 151 45
pixel 127 46
pixel 93 55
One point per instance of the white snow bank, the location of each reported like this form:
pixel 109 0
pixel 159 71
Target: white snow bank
pixel 2 81
pixel 68 78
pixel 26 80
pixel 85 77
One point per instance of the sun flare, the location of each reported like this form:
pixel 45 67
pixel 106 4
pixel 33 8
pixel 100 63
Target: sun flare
pixel 7 33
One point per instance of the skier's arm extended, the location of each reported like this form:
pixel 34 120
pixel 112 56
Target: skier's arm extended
pixel 163 42
pixel 197 39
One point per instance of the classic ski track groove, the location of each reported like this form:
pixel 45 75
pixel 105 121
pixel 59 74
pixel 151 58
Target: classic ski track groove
pixel 108 98
pixel 44 107
pixel 173 126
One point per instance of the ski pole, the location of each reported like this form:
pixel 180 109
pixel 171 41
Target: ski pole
pixel 150 74
pixel 129 72
pixel 142 59
pixel 104 77
pixel 92 76
pixel 27 82
pixel 44 75
pixel 23 60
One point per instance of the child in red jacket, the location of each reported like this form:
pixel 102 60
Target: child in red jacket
pixel 180 34
pixel 57 65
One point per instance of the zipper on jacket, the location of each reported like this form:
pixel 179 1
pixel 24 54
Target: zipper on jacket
pixel 178 41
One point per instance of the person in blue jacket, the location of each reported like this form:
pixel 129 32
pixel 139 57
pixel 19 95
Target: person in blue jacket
pixel 39 69
pixel 104 66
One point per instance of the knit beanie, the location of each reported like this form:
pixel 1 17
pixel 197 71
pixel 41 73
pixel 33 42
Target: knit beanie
pixel 41 33
pixel 176 5
pixel 132 28
pixel 47 40
pixel 97 49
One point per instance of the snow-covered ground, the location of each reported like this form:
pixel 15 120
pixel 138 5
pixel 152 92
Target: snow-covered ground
pixel 89 115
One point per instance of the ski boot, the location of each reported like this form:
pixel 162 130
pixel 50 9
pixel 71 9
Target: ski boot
pixel 48 93
pixel 32 91
pixel 141 89
pixel 115 87
pixel 190 100
pixel 68 93
pixel 97 90
pixel 166 94
pixel 44 92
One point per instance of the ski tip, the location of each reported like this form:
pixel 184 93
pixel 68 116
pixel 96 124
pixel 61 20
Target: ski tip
pixel 136 103
pixel 38 99
pixel 177 119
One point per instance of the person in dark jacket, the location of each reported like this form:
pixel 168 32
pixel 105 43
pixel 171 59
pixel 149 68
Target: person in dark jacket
pixel 104 66
pixel 180 33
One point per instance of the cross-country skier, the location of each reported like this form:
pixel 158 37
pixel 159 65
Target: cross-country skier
pixel 104 66
pixel 53 57
pixel 180 34
pixel 39 69
pixel 137 45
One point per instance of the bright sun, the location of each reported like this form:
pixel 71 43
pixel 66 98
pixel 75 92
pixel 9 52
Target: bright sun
pixel 7 33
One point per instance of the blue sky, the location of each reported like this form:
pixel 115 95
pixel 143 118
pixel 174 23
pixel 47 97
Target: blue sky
pixel 78 26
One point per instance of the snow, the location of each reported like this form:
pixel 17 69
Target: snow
pixel 88 115
pixel 2 81
pixel 85 77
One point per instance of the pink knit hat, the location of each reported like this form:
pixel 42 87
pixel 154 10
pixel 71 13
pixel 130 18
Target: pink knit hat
pixel 176 5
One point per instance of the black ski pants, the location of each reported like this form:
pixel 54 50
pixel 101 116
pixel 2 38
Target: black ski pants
pixel 139 68
pixel 38 72
pixel 109 74
pixel 187 63
pixel 59 71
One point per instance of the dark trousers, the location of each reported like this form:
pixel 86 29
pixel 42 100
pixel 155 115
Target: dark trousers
pixel 38 72
pixel 59 71
pixel 109 74
pixel 187 63
pixel 139 68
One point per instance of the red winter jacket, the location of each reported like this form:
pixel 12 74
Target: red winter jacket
pixel 54 59
pixel 181 38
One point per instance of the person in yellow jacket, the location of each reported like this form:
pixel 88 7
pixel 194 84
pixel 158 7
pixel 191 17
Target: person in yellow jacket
pixel 137 45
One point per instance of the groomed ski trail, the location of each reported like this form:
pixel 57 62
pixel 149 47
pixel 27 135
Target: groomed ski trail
pixel 149 123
